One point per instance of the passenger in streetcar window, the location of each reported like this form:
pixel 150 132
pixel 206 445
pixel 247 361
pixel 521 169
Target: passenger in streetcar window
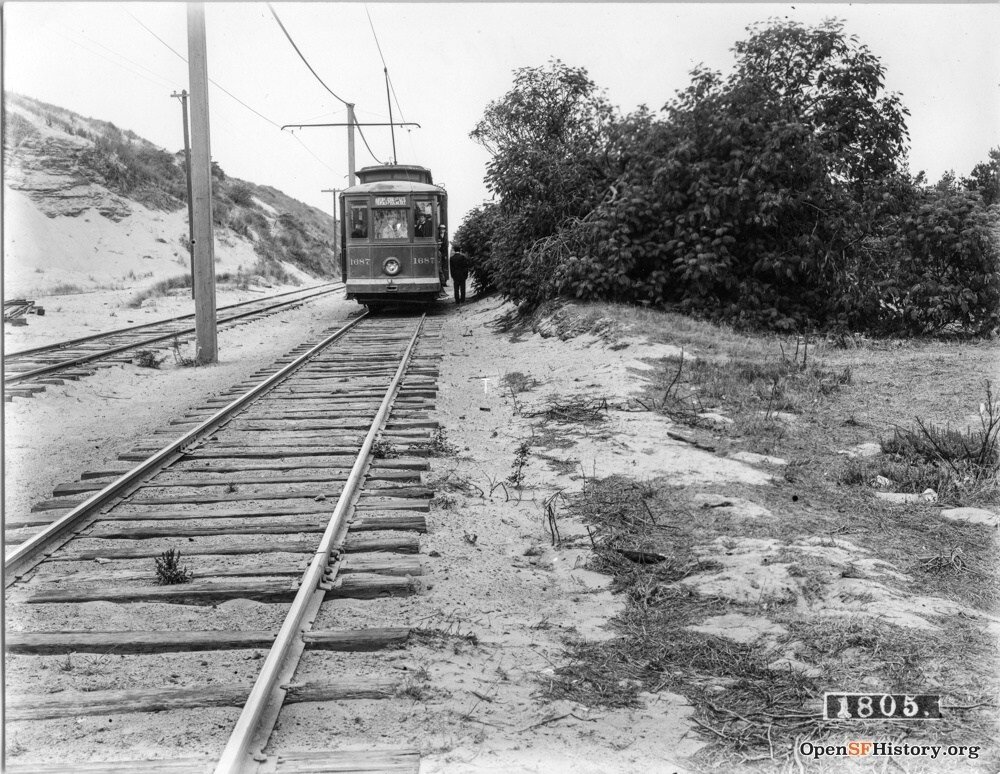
pixel 424 223
pixel 359 222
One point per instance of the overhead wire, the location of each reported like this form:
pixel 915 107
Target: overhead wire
pixel 316 76
pixel 302 57
pixel 215 83
pixel 385 67
pixel 153 76
pixel 231 95
pixel 388 82
pixel 310 152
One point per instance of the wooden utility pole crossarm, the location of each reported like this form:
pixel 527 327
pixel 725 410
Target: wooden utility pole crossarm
pixel 201 189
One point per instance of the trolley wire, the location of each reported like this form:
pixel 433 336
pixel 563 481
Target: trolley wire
pixel 226 91
pixel 385 67
pixel 153 76
pixel 302 57
pixel 321 81
pixel 215 83
pixel 390 88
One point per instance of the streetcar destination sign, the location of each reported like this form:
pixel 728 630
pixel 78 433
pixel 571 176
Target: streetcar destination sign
pixel 390 201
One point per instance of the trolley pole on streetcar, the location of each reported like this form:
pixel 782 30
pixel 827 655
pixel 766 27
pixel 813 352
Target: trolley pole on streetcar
pixel 183 97
pixel 201 186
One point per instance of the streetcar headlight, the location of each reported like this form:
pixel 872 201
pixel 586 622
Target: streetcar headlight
pixel 391 266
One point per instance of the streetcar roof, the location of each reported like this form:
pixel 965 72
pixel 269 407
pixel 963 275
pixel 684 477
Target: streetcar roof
pixel 393 186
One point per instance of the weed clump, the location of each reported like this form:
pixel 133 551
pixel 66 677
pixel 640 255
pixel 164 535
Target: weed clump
pixel 182 360
pixel 146 358
pixel 517 382
pixel 959 466
pixel 688 387
pixel 169 571
pixel 160 289
pixel 437 446
pixel 383 450
pixel 516 477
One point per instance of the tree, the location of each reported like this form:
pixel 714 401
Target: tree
pixel 475 238
pixel 753 196
pixel 985 178
pixel 547 138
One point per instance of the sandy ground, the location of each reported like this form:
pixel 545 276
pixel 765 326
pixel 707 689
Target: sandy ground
pixel 53 437
pixel 491 570
pixel 499 601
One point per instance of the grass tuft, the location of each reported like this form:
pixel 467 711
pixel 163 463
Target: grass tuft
pixel 169 571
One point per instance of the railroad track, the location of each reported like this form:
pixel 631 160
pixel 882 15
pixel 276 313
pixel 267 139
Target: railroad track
pixel 287 499
pixel 28 371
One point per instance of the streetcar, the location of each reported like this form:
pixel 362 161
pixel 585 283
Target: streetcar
pixel 394 236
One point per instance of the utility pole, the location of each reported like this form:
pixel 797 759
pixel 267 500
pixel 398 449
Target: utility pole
pixel 201 186
pixel 350 144
pixel 183 96
pixel 336 231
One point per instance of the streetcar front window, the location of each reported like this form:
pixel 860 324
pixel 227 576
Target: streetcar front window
pixel 390 223
pixel 359 221
pixel 423 223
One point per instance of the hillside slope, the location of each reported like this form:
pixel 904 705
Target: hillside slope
pixel 88 205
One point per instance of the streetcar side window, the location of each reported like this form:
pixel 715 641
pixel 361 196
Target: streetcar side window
pixel 423 223
pixel 359 221
pixel 390 223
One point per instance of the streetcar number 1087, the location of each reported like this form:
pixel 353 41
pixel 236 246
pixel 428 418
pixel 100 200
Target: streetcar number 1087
pixel 873 706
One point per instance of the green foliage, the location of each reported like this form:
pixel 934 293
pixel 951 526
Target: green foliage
pixel 985 178
pixel 169 570
pixel 136 169
pixel 772 197
pixel 748 200
pixel 16 129
pixel 475 238
pixel 241 193
pixel 547 137
pixel 944 267
pixel 146 358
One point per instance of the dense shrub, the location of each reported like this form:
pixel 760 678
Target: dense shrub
pixel 946 268
pixel 774 197
pixel 548 143
pixel 241 193
pixel 985 178
pixel 135 168
pixel 16 129
pixel 475 238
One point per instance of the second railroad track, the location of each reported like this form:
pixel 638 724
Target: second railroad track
pixel 28 371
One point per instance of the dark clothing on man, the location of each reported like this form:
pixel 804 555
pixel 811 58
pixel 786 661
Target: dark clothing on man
pixel 459 273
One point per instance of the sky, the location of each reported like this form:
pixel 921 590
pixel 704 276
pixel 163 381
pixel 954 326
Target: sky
pixel 446 62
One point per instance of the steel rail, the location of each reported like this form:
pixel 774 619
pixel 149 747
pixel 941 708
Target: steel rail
pixel 331 286
pixel 237 755
pixel 33 550
pixel 105 353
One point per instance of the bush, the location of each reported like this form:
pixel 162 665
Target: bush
pixel 136 169
pixel 241 193
pixel 16 129
pixel 475 238
pixel 774 197
pixel 946 267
